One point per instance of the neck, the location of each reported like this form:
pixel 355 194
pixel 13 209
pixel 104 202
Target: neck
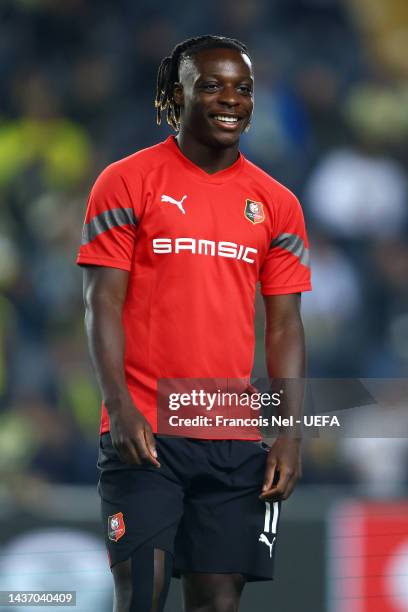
pixel 209 159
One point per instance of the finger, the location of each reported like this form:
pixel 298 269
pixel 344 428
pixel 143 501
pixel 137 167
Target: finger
pixel 143 451
pixel 269 475
pixel 277 491
pixel 151 446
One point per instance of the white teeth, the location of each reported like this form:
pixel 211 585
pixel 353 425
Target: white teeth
pixel 226 119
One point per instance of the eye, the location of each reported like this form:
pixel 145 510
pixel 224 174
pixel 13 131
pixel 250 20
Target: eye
pixel 209 86
pixel 246 89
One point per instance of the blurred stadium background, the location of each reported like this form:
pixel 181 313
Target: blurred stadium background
pixel 77 81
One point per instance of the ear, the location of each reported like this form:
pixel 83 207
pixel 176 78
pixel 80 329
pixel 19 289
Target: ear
pixel 178 94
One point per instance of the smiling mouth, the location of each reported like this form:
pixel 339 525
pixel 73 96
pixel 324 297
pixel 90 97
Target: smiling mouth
pixel 226 121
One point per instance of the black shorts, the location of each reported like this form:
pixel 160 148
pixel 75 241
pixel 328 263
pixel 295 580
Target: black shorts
pixel 201 505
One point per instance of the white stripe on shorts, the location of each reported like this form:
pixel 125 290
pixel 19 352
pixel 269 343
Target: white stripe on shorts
pixel 275 517
pixel 267 516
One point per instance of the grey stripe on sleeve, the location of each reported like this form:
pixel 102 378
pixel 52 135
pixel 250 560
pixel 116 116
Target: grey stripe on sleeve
pixel 294 244
pixel 107 220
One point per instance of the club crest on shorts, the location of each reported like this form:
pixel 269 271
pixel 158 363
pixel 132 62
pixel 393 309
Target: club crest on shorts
pixel 254 211
pixel 116 527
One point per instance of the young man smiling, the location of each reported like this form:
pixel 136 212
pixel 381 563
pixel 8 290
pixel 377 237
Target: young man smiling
pixel 175 239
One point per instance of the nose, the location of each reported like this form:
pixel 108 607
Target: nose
pixel 228 96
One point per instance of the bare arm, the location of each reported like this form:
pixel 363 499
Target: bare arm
pixel 104 295
pixel 285 359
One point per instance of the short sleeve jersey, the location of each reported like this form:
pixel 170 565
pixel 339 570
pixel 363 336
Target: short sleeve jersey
pixel 195 246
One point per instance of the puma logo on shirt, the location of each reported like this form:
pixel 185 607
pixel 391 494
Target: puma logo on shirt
pixel 178 203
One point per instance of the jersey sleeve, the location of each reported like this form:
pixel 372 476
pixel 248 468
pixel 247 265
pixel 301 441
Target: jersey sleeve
pixel 111 220
pixel 286 267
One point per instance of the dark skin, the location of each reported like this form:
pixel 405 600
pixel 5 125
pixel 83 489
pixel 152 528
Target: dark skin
pixel 214 83
pixel 104 295
pixel 285 359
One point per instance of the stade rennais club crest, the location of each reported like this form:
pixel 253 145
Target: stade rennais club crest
pixel 254 211
pixel 116 526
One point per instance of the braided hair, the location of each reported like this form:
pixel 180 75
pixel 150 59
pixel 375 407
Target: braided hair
pixel 168 73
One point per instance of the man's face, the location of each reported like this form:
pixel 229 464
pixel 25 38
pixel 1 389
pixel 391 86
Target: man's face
pixel 215 94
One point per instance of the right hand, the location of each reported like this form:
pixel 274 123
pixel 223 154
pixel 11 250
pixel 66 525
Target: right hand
pixel 131 434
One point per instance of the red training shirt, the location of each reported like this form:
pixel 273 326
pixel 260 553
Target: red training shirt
pixel 195 246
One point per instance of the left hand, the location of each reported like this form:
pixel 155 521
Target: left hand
pixel 283 457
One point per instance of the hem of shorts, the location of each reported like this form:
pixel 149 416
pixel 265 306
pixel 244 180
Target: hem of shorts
pixel 250 577
pixel 135 548
pixel 213 439
pixel 252 439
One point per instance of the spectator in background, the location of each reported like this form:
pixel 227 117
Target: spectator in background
pixel 360 191
pixel 376 444
pixel 331 314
